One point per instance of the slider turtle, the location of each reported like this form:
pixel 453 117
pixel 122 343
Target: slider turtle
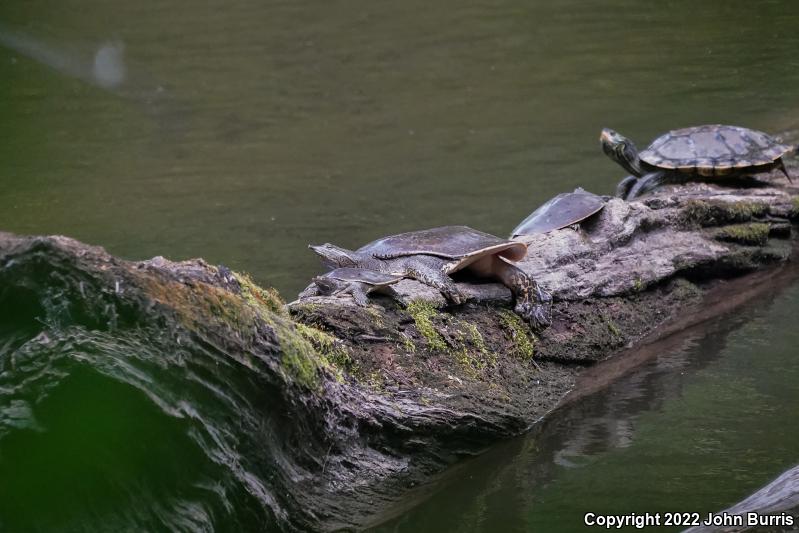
pixel 432 255
pixel 357 282
pixel 565 209
pixel 690 153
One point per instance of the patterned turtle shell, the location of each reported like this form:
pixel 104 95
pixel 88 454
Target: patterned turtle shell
pixel 713 150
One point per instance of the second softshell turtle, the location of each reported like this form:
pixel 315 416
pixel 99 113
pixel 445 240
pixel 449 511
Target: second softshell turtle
pixel 566 209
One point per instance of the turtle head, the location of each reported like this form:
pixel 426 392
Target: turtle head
pixel 326 285
pixel 622 150
pixel 334 256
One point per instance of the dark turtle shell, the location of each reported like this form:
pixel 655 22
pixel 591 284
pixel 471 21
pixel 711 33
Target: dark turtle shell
pixel 713 150
pixel 462 244
pixel 363 275
pixel 561 211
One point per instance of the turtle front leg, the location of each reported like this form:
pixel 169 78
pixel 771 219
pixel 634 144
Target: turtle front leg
pixel 359 293
pixel 324 286
pixel 532 302
pixel 624 186
pixel 429 270
pixel 647 183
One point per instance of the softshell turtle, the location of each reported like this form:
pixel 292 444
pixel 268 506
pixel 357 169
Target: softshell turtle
pixel 432 255
pixel 357 282
pixel 698 152
pixel 565 209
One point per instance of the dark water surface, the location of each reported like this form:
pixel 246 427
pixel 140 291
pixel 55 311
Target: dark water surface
pixel 244 130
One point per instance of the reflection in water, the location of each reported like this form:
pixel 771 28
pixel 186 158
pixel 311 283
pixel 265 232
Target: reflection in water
pixel 676 433
pixel 107 60
pixel 108 69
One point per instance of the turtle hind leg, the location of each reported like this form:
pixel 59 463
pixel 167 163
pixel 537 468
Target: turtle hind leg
pixel 781 165
pixel 624 186
pixel 647 183
pixel 532 302
pixel 359 293
pixel 429 270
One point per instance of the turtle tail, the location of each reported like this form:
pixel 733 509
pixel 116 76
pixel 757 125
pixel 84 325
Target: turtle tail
pixel 781 166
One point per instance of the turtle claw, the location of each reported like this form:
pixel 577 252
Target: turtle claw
pixel 537 315
pixel 543 296
pixel 453 295
pixel 536 311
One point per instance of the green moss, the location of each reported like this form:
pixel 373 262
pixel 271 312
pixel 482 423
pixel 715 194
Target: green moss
pixel 300 361
pixel 305 350
pixel 795 209
pixel 259 297
pixel 472 367
pixel 718 212
pixel 408 343
pixel 306 308
pixel 471 351
pixel 199 306
pixel 333 350
pixel 423 314
pixel 377 316
pixel 638 286
pixel 499 392
pixel 524 343
pixel 474 336
pixel 375 381
pixel 685 290
pixel 752 234
pixel 614 329
pixel 747 210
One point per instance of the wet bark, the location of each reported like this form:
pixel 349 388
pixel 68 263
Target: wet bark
pixel 378 399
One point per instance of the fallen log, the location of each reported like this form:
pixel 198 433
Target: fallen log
pixel 343 408
pixel 772 508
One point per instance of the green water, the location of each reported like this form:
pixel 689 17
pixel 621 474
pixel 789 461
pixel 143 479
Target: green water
pixel 697 429
pixel 247 129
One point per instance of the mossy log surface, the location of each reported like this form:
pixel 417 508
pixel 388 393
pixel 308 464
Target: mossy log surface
pixel 378 399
